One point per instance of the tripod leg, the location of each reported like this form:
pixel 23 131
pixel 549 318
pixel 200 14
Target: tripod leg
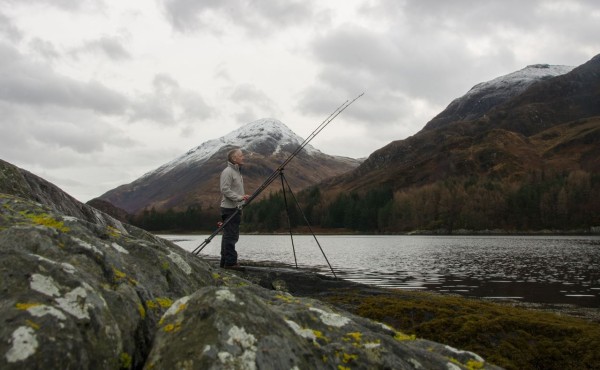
pixel 307 223
pixel 287 212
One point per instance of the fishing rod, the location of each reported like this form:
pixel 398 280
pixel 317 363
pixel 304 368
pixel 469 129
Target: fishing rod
pixel 277 172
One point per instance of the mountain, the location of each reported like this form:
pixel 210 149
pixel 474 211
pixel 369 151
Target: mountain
pixel 193 178
pixel 486 95
pixel 499 129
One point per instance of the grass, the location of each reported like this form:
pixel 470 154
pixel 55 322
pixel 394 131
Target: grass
pixel 514 338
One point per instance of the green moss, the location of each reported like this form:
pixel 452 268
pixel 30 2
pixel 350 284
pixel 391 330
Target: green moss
pixel 510 337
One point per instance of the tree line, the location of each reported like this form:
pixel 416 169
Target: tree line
pixel 541 200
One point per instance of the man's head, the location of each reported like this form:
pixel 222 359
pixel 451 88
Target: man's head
pixel 235 156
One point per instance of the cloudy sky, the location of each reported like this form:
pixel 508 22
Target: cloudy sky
pixel 95 93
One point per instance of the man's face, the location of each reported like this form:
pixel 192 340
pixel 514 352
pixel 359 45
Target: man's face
pixel 238 157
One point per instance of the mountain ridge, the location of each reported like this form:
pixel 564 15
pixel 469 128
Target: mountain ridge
pixel 485 95
pixel 438 140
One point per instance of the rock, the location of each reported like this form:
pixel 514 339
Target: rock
pixel 247 327
pixel 76 295
pixel 82 290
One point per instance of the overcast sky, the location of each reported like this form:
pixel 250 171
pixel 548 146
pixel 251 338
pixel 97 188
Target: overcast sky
pixel 95 93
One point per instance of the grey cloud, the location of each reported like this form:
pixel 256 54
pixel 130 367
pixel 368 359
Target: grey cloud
pixel 246 115
pixel 253 102
pixel 44 48
pixel 247 93
pixel 384 107
pixel 427 49
pixel 357 56
pixel 169 104
pixel 68 5
pixel 30 136
pixel 29 83
pixel 256 17
pixel 108 46
pixel 8 29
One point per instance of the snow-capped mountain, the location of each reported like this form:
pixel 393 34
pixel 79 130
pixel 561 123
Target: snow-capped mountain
pixel 541 118
pixel 192 179
pixel 486 95
pixel 267 136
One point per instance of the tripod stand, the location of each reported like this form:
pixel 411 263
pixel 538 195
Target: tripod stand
pixel 279 173
pixel 284 182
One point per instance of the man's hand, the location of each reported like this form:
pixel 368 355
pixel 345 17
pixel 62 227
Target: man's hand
pixel 245 197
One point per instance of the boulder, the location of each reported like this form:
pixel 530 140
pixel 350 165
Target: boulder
pixel 82 295
pixel 243 326
pixel 81 290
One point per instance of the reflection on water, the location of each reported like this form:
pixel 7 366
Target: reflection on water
pixel 544 269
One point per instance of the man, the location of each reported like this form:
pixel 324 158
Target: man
pixel 232 191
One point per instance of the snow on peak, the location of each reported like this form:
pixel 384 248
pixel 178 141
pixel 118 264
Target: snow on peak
pixel 267 136
pixel 522 79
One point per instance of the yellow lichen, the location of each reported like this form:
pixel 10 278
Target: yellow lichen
pixel 356 336
pixel 172 327
pixel 348 357
pixel 46 220
pixel 181 307
pixel 32 325
pixel 142 311
pixel 119 274
pixel 125 360
pixel 474 365
pixel 402 337
pixel 285 298
pixel 26 306
pixel 113 231
pixel 164 302
pixel 151 305
pixel 160 302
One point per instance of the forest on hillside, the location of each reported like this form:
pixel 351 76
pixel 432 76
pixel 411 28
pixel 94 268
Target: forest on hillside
pixel 568 202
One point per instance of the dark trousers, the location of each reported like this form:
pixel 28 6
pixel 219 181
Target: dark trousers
pixel 231 234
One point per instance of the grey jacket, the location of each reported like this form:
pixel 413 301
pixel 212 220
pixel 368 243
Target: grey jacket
pixel 232 186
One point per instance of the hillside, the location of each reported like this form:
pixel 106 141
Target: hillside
pixel 509 140
pixel 528 161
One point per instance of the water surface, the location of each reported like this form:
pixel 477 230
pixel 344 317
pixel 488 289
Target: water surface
pixel 541 269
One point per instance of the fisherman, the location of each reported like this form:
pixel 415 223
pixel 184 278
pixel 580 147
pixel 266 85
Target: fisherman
pixel 233 196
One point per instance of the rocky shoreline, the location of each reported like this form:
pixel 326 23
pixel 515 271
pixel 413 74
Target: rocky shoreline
pixel 82 290
pixel 308 283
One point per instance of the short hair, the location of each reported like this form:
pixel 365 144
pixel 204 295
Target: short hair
pixel 231 153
